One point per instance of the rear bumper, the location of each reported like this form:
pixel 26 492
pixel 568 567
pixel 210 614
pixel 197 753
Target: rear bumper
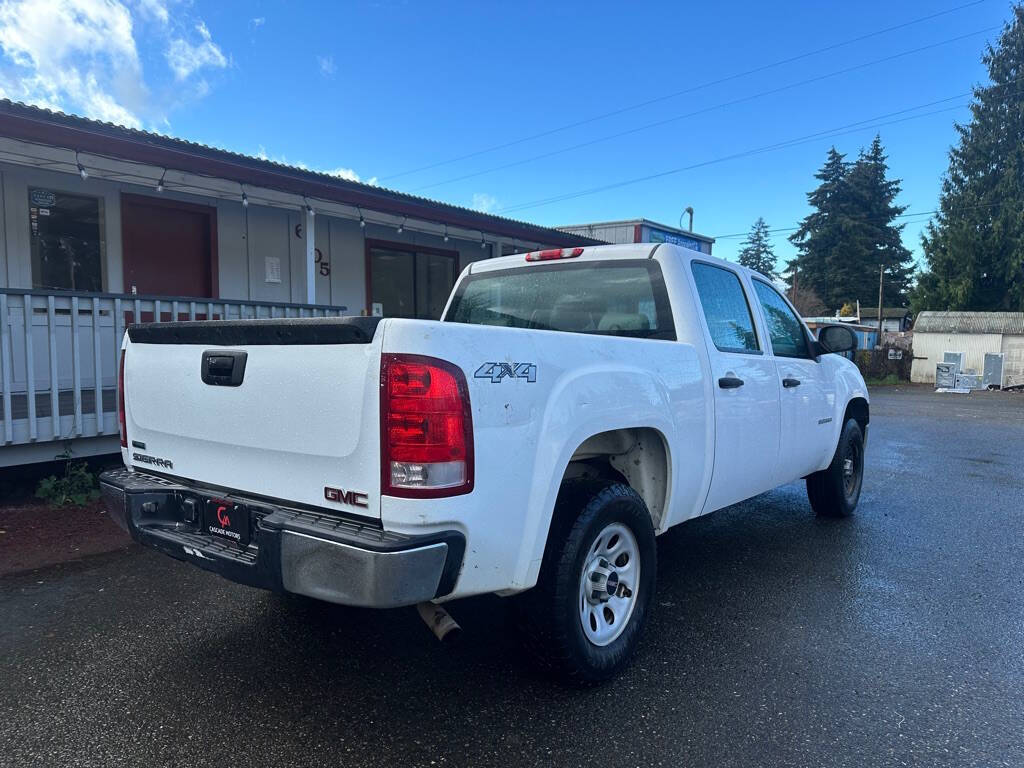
pixel 291 550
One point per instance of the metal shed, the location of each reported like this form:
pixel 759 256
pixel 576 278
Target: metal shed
pixel 973 333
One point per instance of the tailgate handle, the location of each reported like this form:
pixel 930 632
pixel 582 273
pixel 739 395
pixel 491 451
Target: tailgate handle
pixel 223 367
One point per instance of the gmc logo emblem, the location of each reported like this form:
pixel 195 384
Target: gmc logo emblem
pixel 351 498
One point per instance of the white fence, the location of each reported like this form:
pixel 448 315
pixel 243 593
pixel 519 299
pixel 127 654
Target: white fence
pixel 59 355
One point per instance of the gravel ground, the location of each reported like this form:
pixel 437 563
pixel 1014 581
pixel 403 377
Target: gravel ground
pixel 893 638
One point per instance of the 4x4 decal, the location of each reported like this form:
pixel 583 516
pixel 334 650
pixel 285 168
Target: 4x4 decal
pixel 498 371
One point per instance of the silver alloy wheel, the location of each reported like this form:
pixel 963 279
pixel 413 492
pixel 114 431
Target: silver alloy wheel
pixel 608 584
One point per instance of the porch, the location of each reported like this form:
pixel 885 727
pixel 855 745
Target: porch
pixel 59 354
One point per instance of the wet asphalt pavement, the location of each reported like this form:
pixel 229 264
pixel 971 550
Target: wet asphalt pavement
pixel 892 638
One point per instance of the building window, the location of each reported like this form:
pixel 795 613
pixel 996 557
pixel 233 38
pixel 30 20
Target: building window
pixel 67 240
pixel 410 283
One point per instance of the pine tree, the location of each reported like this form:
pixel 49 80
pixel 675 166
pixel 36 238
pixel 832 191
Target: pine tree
pixel 974 248
pixel 820 237
pixel 851 231
pixel 875 237
pixel 758 253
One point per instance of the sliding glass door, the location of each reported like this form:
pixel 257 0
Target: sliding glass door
pixel 410 282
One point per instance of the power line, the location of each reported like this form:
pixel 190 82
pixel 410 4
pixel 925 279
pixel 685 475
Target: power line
pixel 842 130
pixel 703 110
pixel 778 230
pixel 830 133
pixel 683 92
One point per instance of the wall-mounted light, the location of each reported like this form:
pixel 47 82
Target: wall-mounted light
pixel 245 200
pixel 160 182
pixel 81 168
pixel 362 221
pixel 482 243
pixel 309 208
pixel 401 227
pixel 446 233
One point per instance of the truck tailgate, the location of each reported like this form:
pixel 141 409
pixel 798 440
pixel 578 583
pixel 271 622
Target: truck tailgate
pixel 303 418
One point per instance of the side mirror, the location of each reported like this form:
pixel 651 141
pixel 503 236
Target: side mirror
pixel 836 339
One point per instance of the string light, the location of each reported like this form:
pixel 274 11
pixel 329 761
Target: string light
pixel 81 168
pixel 362 221
pixel 245 200
pixel 160 183
pixel 446 233
pixel 401 227
pixel 482 243
pixel 309 208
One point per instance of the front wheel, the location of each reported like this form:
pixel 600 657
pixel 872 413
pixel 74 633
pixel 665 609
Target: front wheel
pixel 582 621
pixel 835 490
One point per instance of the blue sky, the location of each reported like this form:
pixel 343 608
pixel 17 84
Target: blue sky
pixel 374 90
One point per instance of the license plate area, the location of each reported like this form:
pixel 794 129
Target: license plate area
pixel 228 520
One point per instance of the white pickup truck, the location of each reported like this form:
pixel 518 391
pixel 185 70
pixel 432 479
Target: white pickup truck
pixel 569 406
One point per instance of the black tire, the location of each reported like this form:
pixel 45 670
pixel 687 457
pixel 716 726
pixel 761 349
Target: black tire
pixel 835 491
pixel 550 613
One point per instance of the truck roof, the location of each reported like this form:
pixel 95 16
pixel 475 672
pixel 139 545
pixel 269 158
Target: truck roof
pixel 591 253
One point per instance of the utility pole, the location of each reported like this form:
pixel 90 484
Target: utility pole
pixel 881 273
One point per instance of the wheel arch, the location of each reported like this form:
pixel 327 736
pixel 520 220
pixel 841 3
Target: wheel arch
pixel 638 457
pixel 859 410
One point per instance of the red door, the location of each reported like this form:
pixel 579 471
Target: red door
pixel 170 248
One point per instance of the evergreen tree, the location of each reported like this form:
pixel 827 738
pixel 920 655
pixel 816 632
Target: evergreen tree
pixel 974 248
pixel 820 237
pixel 875 237
pixel 852 231
pixel 758 253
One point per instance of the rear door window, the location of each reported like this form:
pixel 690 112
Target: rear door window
pixel 725 308
pixel 609 298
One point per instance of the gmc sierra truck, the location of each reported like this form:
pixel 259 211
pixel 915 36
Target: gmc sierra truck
pixel 569 406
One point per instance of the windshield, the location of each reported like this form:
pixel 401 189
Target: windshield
pixel 611 298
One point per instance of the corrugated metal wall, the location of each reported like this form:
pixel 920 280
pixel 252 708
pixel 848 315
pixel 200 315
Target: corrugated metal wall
pixel 928 349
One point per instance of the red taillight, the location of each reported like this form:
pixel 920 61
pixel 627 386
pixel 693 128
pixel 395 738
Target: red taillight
pixel 426 429
pixel 554 253
pixel 121 425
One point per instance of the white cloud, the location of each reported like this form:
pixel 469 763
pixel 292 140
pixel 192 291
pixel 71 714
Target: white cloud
pixel 349 175
pixel 72 53
pixel 154 9
pixel 82 56
pixel 484 203
pixel 184 58
pixel 327 68
pixel 258 22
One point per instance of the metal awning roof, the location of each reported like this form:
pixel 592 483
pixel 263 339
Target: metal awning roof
pixel 44 126
pixel 970 322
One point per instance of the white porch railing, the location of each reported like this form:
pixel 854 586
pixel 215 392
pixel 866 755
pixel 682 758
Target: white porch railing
pixel 59 354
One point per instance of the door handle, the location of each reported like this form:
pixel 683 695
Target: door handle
pixel 730 382
pixel 790 382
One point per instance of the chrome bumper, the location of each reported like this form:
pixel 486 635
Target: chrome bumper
pixel 299 551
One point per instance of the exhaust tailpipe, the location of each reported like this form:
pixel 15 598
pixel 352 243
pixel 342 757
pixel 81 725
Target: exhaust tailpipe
pixel 444 627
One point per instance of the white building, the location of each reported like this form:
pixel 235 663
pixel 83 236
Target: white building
pixel 973 333
pixel 641 231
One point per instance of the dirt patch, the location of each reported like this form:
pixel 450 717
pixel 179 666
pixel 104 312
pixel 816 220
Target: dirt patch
pixel 34 534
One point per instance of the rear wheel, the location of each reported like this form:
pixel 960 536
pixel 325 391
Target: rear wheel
pixel 583 619
pixel 835 490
